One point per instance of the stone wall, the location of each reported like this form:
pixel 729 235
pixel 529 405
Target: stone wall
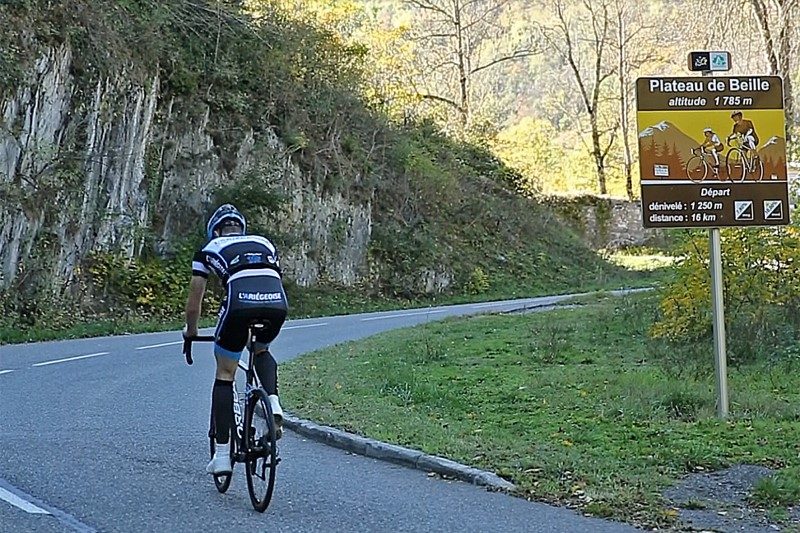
pixel 603 222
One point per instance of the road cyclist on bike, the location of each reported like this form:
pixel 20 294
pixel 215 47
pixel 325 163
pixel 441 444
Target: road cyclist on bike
pixel 713 146
pixel 744 130
pixel 249 268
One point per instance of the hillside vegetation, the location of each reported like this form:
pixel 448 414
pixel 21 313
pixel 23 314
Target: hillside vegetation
pixel 446 223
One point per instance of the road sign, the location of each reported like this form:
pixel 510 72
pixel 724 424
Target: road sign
pixel 712 151
pixel 709 61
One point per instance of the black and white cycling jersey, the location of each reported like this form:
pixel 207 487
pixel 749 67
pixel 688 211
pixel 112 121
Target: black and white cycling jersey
pixel 226 256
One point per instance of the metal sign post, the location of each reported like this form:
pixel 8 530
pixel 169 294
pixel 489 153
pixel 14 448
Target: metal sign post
pixel 690 179
pixel 718 310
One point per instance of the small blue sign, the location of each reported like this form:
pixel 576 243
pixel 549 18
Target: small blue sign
pixel 720 61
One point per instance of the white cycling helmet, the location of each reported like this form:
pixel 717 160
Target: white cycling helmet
pixel 224 213
pixel 708 130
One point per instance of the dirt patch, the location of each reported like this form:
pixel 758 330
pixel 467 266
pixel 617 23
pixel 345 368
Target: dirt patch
pixel 718 501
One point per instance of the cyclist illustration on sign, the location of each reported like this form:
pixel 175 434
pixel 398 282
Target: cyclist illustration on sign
pixel 744 129
pixel 705 156
pixel 743 159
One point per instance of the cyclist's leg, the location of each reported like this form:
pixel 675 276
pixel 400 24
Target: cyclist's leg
pixel 715 166
pixel 231 338
pixel 265 364
pixel 750 144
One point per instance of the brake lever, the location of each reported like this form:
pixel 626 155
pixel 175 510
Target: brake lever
pixel 187 350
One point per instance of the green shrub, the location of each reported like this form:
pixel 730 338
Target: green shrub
pixel 478 281
pixel 761 271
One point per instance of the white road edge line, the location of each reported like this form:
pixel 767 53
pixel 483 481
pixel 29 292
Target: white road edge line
pixel 16 501
pixel 70 359
pixel 305 326
pixel 181 342
pixel 5 372
pixel 159 345
pixel 493 304
pixel 402 315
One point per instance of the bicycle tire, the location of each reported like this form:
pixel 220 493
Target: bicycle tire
pixel 261 450
pixel 223 481
pixel 696 168
pixel 734 165
pixel 757 174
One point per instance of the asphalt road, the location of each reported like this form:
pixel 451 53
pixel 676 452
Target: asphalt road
pixel 109 434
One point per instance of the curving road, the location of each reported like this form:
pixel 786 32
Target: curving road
pixel 109 434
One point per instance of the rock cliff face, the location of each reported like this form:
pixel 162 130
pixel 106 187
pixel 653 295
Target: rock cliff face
pixel 99 164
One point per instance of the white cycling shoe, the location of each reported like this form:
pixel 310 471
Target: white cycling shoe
pixel 277 413
pixel 221 462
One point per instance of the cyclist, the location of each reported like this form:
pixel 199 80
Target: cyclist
pixel 712 145
pixel 249 268
pixel 744 128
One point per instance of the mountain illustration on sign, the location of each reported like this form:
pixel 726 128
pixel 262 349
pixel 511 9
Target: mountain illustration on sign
pixel 773 154
pixel 665 147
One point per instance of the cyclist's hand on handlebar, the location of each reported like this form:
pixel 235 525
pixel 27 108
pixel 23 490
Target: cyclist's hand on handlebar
pixel 187 344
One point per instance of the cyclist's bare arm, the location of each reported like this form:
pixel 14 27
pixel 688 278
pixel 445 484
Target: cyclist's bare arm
pixel 197 288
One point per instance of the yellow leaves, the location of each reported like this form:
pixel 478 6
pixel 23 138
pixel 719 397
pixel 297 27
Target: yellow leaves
pixel 761 269
pixel 568 443
pixel 147 297
pixel 670 513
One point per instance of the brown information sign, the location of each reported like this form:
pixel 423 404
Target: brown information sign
pixel 712 152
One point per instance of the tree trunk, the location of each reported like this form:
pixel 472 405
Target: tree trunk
pixel 597 152
pixel 463 73
pixel 777 47
pixel 627 158
pixel 785 59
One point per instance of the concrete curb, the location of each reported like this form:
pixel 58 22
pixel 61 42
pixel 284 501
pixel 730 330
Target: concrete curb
pixel 395 454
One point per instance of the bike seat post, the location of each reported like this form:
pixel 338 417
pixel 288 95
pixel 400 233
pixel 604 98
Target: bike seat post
pixel 254 328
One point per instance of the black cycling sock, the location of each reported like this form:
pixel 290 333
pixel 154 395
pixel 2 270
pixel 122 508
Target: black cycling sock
pixel 267 370
pixel 222 407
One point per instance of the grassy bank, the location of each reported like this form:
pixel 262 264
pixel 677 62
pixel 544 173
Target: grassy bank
pixel 569 405
pixel 317 301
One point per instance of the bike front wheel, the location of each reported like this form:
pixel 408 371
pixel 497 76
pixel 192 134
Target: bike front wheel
pixel 734 164
pixel 261 450
pixel 696 169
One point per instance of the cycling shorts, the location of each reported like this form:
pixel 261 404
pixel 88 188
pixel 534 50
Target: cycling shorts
pixel 252 296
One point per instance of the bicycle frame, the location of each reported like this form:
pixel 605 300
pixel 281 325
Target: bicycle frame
pixel 257 452
pixel 239 402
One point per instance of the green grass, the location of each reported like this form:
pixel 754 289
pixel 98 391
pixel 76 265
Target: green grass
pixel 325 301
pixel 567 404
pixel 781 490
pixel 12 334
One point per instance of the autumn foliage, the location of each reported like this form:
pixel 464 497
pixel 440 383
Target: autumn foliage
pixel 761 270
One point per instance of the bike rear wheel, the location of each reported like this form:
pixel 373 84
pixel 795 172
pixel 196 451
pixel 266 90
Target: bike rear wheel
pixel 696 169
pixel 734 164
pixel 223 481
pixel 261 451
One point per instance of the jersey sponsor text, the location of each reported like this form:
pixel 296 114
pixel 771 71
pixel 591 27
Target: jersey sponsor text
pixel 260 296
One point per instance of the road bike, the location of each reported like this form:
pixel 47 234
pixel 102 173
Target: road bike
pixel 741 162
pixel 253 438
pixel 700 165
